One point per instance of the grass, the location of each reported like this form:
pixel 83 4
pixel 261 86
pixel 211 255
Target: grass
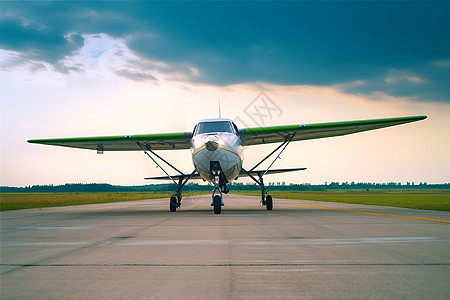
pixel 430 199
pixel 13 201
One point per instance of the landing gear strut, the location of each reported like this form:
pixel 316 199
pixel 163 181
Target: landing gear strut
pixel 219 187
pixel 175 200
pixel 266 200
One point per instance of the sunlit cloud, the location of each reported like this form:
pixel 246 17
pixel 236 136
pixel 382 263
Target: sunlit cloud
pixel 16 61
pixel 195 71
pixel 102 54
pixel 415 79
pixel 396 76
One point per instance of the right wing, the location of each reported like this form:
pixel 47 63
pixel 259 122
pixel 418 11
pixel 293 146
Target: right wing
pixel 278 134
pixel 271 171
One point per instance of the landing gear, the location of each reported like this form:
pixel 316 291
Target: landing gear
pixel 266 200
pixel 175 200
pixel 173 204
pixel 269 203
pixel 217 203
pixel 219 187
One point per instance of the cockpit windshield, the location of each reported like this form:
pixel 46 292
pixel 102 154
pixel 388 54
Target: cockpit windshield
pixel 221 126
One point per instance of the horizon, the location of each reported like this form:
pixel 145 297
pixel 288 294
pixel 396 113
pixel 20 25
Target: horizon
pixel 234 183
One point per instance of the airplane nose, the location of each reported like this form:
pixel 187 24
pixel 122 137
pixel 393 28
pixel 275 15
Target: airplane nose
pixel 212 143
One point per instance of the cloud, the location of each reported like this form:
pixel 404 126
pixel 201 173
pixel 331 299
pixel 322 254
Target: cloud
pixel 36 41
pixel 415 79
pixel 442 63
pixel 99 55
pixel 103 54
pixel 349 85
pixel 396 76
pixel 139 76
pixel 15 61
pixel 195 71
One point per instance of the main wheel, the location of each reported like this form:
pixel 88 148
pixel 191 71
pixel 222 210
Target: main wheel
pixel 217 203
pixel 269 202
pixel 173 204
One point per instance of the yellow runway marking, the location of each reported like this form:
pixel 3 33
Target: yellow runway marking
pixel 375 214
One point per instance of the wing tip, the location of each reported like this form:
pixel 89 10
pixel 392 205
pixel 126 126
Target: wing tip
pixel 34 141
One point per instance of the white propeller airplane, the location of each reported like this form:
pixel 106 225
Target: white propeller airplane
pixel 217 149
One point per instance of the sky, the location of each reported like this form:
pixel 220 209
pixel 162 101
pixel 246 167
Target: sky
pixel 98 68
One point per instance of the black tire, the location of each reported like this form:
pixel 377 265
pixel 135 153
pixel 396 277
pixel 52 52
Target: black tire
pixel 217 203
pixel 173 204
pixel 269 202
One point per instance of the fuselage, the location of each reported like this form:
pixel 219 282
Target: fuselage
pixel 216 147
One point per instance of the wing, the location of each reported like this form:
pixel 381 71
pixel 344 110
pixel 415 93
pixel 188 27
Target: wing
pixel 242 174
pixel 164 141
pixel 175 177
pixel 276 134
pixel 271 171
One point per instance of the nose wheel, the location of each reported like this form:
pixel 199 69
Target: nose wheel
pixel 217 204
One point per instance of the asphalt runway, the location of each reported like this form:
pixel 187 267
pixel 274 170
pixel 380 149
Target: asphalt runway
pixel 300 250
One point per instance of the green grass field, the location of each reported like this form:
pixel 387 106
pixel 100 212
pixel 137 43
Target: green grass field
pixel 429 199
pixel 433 200
pixel 12 201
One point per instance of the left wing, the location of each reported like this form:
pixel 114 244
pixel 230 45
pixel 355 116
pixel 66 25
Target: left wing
pixel 163 141
pixel 278 134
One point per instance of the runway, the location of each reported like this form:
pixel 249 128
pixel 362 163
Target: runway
pixel 300 250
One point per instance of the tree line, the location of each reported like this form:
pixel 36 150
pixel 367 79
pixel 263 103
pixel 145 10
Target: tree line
pixel 192 187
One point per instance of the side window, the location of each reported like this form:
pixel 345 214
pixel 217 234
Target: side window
pixel 194 132
pixel 235 129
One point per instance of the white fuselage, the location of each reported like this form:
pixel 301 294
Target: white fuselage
pixel 211 147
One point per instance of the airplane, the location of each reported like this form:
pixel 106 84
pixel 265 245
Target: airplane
pixel 216 147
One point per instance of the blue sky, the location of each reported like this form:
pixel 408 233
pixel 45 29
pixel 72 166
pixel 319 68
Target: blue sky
pixel 382 52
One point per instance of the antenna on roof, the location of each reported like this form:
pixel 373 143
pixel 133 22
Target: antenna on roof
pixel 220 115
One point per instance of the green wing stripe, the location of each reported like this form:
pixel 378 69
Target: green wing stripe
pixel 271 129
pixel 275 134
pixel 163 141
pixel 149 137
pixel 387 122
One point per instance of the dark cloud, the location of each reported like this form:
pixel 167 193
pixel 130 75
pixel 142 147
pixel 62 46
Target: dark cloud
pixel 317 43
pixel 37 42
